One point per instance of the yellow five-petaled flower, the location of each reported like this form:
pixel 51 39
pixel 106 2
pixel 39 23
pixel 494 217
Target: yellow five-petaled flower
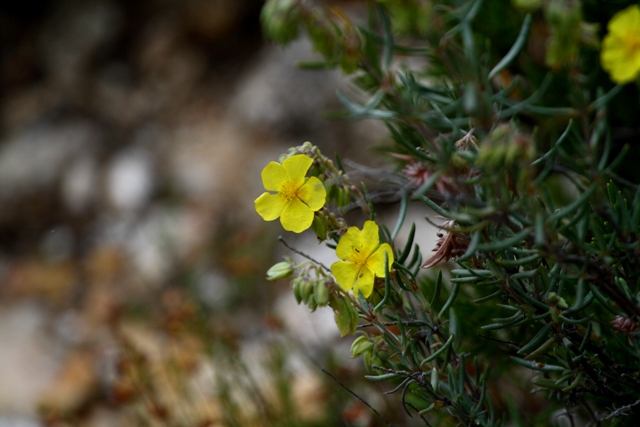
pixel 296 198
pixel 620 55
pixel 362 259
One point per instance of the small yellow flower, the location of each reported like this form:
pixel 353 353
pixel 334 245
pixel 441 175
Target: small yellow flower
pixel 296 198
pixel 363 259
pixel 620 55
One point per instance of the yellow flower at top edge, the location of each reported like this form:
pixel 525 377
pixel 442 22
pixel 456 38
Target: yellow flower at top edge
pixel 362 258
pixel 620 55
pixel 296 198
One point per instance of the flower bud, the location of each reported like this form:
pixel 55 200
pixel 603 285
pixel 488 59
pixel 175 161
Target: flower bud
pixel 311 302
pixel 527 5
pixel 344 197
pixel 320 226
pixel 280 20
pixel 321 293
pixel 345 314
pixel 296 285
pixel 459 161
pixel 557 300
pixel 371 359
pixel 306 290
pixel 505 146
pixel 280 271
pixel 361 345
pixel 564 18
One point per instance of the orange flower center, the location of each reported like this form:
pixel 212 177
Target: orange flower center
pixel 289 191
pixel 631 42
pixel 359 259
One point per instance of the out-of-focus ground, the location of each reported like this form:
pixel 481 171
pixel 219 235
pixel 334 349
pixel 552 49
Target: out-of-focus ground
pixel 132 290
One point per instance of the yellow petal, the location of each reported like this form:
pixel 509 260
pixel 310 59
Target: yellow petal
pixel 296 216
pixel 297 167
pixel 376 260
pixel 364 282
pixel 345 274
pixel 350 245
pixel 620 55
pixel 270 206
pixel 274 176
pixel 611 59
pixel 623 73
pixel 617 62
pixel 370 237
pixel 313 193
pixel 626 19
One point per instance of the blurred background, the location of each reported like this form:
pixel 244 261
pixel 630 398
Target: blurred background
pixel 132 262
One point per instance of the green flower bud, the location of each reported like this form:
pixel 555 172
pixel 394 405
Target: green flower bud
pixel 564 18
pixel 370 359
pixel 280 271
pixel 296 285
pixel 320 226
pixel 361 345
pixel 280 20
pixel 556 299
pixel 344 197
pixel 506 146
pixel 458 161
pixel 311 302
pixel 345 314
pixel 527 5
pixel 321 293
pixel 306 290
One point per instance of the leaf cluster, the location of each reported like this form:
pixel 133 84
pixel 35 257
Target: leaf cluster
pixel 524 153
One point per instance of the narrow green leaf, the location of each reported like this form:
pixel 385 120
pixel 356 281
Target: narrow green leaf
pixel 473 246
pixel 499 325
pixel 383 377
pixel 404 203
pixel 536 366
pixel 553 149
pixel 452 297
pixel 387 285
pixel 438 352
pixel 536 340
pixel 604 99
pixel 504 244
pixel 407 247
pixel 488 297
pixel 515 49
pixel 542 349
pixel 436 292
pixel 570 208
pixel 539 234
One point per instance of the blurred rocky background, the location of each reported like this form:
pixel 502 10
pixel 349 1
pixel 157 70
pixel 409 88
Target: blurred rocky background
pixel 132 290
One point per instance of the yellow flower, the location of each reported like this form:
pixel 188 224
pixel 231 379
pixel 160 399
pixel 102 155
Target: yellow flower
pixel 620 55
pixel 363 259
pixel 296 197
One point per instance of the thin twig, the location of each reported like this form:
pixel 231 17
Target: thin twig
pixel 620 411
pixel 510 343
pixel 358 397
pixel 302 254
pixel 405 323
pixel 416 409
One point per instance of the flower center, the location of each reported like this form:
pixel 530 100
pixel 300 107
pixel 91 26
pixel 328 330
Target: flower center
pixel 359 257
pixel 631 42
pixel 289 191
